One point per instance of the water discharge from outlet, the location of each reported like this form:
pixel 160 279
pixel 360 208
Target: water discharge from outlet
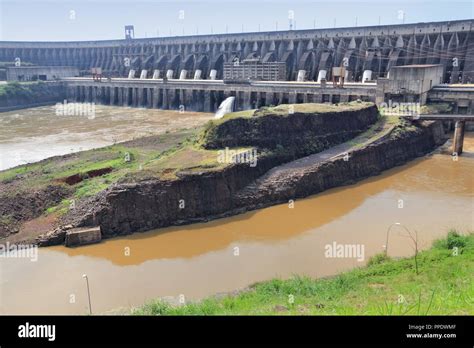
pixel 226 107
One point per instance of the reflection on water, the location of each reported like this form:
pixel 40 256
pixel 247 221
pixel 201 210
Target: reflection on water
pixel 31 135
pixel 200 260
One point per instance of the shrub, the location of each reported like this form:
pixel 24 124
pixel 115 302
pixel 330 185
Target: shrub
pixel 157 307
pixel 378 259
pixel 454 239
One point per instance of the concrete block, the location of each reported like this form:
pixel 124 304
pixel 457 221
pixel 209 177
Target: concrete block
pixel 83 236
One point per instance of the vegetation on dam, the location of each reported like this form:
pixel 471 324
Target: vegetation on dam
pixel 14 94
pixel 17 89
pixel 444 285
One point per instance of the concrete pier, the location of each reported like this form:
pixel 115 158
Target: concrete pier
pixel 83 236
pixel 458 140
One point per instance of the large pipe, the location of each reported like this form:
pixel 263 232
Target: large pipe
pixel 183 74
pixel 322 75
pixel 367 76
pixel 197 74
pixel 301 75
pixel 346 75
pixel 458 137
pixel 213 74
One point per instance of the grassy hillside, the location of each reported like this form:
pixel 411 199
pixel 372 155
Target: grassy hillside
pixel 303 128
pixel 444 285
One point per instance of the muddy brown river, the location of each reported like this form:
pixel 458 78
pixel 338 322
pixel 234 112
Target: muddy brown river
pixel 31 135
pixel 429 195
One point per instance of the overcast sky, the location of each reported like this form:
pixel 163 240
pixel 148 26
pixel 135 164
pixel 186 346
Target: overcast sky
pixel 24 20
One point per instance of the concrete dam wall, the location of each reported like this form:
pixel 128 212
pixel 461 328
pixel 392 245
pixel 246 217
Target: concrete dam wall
pixel 208 95
pixel 369 51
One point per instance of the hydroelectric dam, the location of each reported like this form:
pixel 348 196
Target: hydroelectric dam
pixel 190 71
pixel 372 50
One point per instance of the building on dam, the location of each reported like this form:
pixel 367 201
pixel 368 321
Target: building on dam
pixel 40 73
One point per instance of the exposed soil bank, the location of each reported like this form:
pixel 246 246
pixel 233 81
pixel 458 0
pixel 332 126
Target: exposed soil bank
pixel 17 207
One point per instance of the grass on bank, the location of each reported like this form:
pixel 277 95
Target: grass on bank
pixel 184 148
pixel 383 126
pixel 287 109
pixel 161 156
pixel 445 285
pixel 179 152
pixel 210 132
pixel 317 108
pixel 125 159
pixel 436 108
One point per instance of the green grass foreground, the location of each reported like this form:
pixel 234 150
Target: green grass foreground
pixel 444 285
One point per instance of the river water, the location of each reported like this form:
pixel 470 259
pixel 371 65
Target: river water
pixel 30 135
pixel 429 195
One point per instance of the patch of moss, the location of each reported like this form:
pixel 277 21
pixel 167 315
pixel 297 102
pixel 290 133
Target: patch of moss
pixel 438 108
pixel 316 108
